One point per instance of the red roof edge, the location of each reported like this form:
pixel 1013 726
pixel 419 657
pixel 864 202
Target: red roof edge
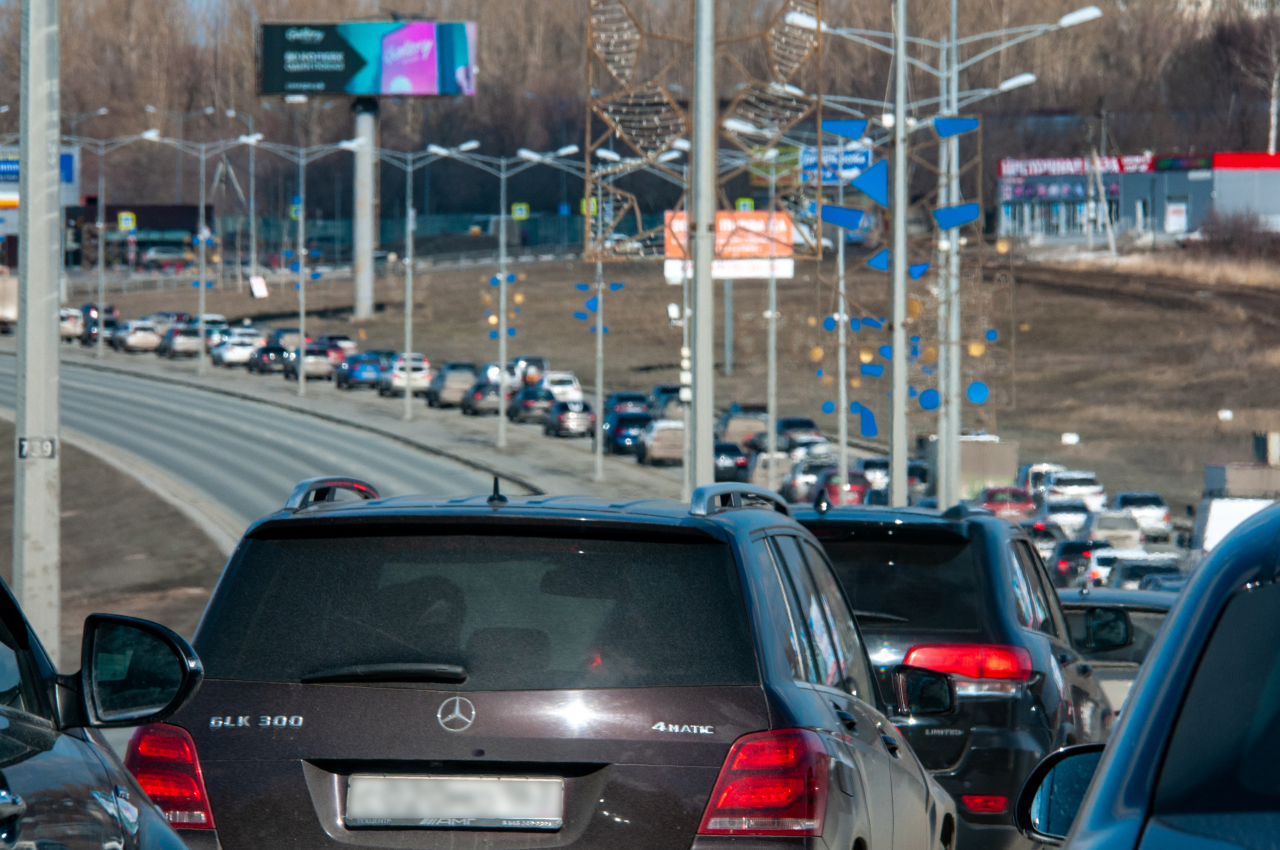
pixel 1247 160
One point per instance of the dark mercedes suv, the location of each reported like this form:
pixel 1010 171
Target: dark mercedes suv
pixel 546 672
pixel 965 593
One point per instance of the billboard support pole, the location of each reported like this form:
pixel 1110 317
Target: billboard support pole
pixel 200 230
pixel 898 341
pixel 37 484
pixel 502 302
pixel 366 109
pixel 728 328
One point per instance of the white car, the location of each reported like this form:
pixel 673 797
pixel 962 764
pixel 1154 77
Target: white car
pixel 234 352
pixel 1102 560
pixel 1069 514
pixel 418 376
pixel 136 335
pixel 1150 510
pixel 563 385
pixel 255 335
pixel 70 324
pixel 1074 484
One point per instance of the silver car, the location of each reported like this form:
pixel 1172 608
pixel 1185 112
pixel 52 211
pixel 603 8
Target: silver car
pixel 315 364
pixel 1119 528
pixel 1150 510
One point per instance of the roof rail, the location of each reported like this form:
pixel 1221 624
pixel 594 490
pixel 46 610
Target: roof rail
pixel 323 489
pixel 712 498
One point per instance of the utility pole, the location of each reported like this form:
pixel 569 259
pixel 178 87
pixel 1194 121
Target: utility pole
pixel 728 328
pixel 898 401
pixel 302 277
pixel 202 282
pixel 102 224
pixel 599 447
pixel 951 398
pixel 703 221
pixel 771 350
pixel 410 223
pixel 366 110
pixel 37 487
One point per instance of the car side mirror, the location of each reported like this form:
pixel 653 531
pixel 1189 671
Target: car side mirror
pixel 923 693
pixel 133 672
pixel 1053 792
pixel 1107 628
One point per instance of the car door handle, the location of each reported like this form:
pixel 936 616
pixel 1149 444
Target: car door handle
pixel 11 807
pixel 1064 658
pixel 1085 670
pixel 890 744
pixel 847 720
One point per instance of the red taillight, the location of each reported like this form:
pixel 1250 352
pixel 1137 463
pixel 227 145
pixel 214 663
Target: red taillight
pixel 972 660
pixel 1064 566
pixel 740 460
pixel 985 804
pixel 560 417
pixel 1039 526
pixel 528 403
pixel 163 760
pixel 772 783
pixel 476 396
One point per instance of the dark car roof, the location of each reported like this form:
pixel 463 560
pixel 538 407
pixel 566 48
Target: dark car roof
pixel 1078 596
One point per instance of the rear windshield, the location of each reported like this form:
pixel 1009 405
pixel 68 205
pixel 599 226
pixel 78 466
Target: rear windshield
pixel 519 613
pixel 1061 480
pixel 875 464
pixel 633 421
pixel 929 583
pixel 1116 523
pixel 1075 548
pixel 1007 496
pixel 1138 570
pixel 1140 502
pixel 796 423
pixel 1067 508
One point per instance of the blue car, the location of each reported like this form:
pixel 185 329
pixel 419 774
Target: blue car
pixel 622 430
pixel 361 370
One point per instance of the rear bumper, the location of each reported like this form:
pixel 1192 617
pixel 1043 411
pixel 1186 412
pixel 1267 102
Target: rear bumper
pixel 970 836
pixel 199 839
pixel 997 761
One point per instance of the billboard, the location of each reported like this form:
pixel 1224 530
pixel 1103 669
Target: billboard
pixel 403 58
pixel 748 245
pixel 68 183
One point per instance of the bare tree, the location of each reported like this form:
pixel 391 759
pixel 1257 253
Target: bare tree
pixel 1259 62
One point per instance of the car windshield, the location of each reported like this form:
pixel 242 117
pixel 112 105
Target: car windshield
pixel 922 581
pixel 1116 523
pixel 1006 496
pixel 518 613
pixel 1139 501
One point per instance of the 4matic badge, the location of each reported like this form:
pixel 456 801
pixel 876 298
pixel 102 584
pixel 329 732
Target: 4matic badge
pixel 685 729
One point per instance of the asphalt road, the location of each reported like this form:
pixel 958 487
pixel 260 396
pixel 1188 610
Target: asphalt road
pixel 243 455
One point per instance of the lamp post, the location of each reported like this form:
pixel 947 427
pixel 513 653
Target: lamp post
pixel 300 156
pixel 202 151
pixel 502 168
pixel 102 147
pixel 253 194
pixel 950 101
pixel 76 117
pixel 180 117
pixel 409 162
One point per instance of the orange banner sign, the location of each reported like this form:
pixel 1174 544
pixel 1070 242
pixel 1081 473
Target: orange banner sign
pixel 739 235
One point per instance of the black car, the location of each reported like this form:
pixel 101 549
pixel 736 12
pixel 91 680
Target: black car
pixel 622 430
pixel 530 404
pixel 731 462
pixel 626 402
pixel 90 334
pixel 1072 558
pixel 1192 762
pixel 660 396
pixel 61 785
pixel 267 359
pixel 965 593
pixel 548 671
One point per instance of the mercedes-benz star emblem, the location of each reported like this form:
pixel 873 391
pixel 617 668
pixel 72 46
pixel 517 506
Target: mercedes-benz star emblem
pixel 456 714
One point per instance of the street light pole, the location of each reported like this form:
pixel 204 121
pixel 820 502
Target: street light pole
pixel 253 194
pixel 502 302
pixel 200 231
pixel 703 161
pixel 102 223
pixel 36 492
pixel 409 223
pixel 771 350
pixel 898 341
pixel 301 253
pixel 842 370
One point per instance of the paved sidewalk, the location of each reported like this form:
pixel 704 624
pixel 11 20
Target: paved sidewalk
pixel 552 465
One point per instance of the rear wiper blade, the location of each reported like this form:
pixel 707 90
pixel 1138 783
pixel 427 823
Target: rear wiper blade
pixel 403 672
pixel 879 615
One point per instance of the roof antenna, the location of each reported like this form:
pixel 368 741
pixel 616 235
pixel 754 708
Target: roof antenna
pixel 497 498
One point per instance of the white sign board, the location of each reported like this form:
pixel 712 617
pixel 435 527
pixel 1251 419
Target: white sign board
pixel 757 269
pixel 1175 217
pixel 258 286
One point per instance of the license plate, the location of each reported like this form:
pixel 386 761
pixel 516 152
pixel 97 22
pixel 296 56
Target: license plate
pixel 455 802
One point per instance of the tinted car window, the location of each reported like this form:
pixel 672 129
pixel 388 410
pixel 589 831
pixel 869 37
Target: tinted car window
pixel 787 618
pixel 1222 754
pixel 1139 502
pixel 1028 598
pixel 1131 573
pixel 518 613
pixel 920 582
pixel 1116 523
pixel 812 613
pixel 857 676
pixel 633 421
